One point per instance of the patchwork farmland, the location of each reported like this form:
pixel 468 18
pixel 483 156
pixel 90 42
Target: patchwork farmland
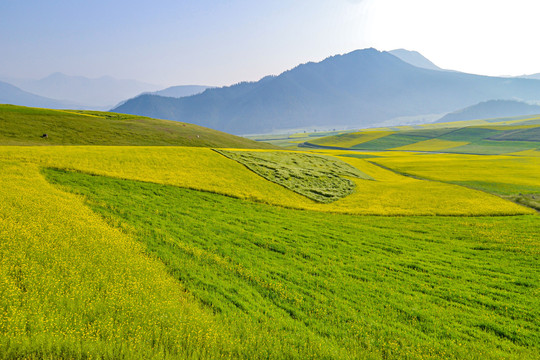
pixel 148 247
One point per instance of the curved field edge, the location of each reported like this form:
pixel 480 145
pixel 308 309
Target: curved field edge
pixel 204 169
pixel 350 287
pixel 318 177
pixel 516 178
pixel 72 286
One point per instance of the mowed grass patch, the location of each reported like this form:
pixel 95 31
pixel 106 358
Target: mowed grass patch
pixel 338 286
pixel 318 177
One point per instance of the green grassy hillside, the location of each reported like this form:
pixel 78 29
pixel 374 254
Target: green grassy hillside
pixel 25 126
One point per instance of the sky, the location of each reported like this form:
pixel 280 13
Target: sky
pixel 222 42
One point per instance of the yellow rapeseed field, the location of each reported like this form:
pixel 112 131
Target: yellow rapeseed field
pixel 518 170
pixel 351 139
pixel 204 169
pixel 67 278
pixel 532 152
pixel 509 127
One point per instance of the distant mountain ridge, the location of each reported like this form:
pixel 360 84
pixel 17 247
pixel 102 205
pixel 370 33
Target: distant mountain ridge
pixel 181 90
pixel 10 94
pixel 103 92
pixel 532 76
pixel 490 110
pixel 355 90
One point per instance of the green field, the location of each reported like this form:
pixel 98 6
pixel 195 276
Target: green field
pixel 26 126
pixel 492 137
pixel 171 252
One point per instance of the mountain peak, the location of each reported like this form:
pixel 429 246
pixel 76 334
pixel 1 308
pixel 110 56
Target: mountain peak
pixel 414 58
pixel 363 88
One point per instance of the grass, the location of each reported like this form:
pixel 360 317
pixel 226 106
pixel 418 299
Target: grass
pixel 350 139
pixel 389 142
pixel 317 285
pixel 25 126
pixel 499 137
pixel 73 287
pixel 490 147
pixel 516 178
pixel 432 145
pixel 320 178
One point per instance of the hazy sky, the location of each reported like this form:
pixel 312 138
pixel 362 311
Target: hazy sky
pixel 220 42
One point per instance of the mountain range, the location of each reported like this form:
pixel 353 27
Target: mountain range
pixel 10 94
pixel 355 90
pixel 490 110
pixel 181 91
pixel 98 93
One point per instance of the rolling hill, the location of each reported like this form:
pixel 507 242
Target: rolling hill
pixel 355 90
pixel 26 126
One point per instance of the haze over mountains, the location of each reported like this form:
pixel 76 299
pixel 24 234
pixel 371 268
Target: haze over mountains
pixel 360 89
pixel 82 92
pixel 181 90
pixel 365 88
pixel 10 94
pixel 490 110
pixel 60 91
pixel 414 58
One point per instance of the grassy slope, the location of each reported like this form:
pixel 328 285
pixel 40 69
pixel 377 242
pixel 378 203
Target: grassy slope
pixel 24 126
pixel 337 286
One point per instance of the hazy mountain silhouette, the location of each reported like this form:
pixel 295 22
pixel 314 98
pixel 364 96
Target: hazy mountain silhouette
pixel 359 89
pixel 490 110
pixel 102 92
pixel 181 90
pixel 532 76
pixel 10 94
pixel 414 58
